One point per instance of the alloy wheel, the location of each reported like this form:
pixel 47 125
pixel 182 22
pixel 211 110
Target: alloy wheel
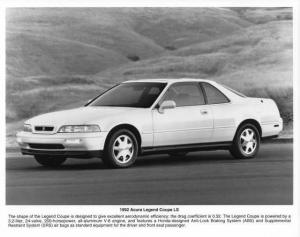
pixel 123 149
pixel 248 141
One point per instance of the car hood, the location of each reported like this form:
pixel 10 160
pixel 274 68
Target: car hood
pixel 78 116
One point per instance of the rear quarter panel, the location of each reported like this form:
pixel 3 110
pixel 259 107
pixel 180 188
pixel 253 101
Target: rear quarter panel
pixel 264 111
pixel 228 117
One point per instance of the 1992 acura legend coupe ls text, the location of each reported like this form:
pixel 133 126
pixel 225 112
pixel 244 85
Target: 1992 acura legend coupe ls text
pixel 172 116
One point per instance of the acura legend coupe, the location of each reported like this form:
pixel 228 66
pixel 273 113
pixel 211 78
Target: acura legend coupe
pixel 172 116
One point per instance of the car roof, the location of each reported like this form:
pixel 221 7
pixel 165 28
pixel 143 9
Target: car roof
pixel 168 80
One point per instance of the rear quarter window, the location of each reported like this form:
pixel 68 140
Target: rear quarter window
pixel 213 95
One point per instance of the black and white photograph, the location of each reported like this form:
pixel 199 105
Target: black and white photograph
pixel 149 106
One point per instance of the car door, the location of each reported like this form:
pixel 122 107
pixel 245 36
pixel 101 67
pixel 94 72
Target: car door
pixel 223 111
pixel 190 122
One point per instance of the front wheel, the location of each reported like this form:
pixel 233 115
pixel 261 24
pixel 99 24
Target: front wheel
pixel 50 161
pixel 246 142
pixel 121 149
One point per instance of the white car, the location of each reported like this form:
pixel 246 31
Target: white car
pixel 171 116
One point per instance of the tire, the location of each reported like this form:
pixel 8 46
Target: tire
pixel 246 142
pixel 50 161
pixel 178 153
pixel 121 149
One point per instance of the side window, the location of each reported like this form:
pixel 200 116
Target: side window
pixel 185 94
pixel 214 96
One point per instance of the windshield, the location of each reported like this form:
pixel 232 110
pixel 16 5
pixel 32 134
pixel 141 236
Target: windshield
pixel 132 94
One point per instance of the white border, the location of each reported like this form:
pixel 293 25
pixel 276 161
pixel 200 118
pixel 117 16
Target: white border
pixel 202 230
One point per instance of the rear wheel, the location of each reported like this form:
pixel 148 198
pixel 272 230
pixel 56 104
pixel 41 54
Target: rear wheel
pixel 121 149
pixel 50 161
pixel 246 142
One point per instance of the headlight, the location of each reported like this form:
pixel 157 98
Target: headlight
pixel 27 128
pixel 79 128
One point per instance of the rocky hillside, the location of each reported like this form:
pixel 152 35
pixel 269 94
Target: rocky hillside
pixel 59 58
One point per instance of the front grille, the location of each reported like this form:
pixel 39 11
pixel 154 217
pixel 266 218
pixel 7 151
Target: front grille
pixel 46 146
pixel 44 128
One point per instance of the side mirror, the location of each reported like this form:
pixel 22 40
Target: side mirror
pixel 167 104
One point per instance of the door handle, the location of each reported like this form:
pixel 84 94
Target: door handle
pixel 203 111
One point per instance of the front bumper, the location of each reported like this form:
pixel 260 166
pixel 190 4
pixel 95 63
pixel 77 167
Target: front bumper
pixel 77 145
pixel 62 153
